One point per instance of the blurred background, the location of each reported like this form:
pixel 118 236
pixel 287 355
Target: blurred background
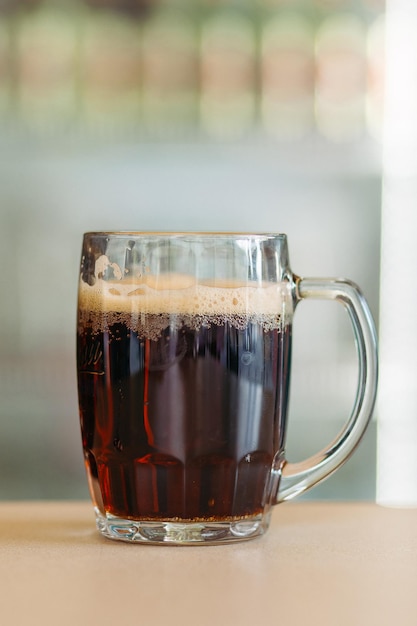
pixel 262 115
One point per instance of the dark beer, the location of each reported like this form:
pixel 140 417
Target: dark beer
pixel 182 414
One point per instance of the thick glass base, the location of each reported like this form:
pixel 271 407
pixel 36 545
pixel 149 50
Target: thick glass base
pixel 181 532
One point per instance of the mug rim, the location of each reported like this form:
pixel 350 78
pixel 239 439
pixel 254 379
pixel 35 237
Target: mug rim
pixel 178 234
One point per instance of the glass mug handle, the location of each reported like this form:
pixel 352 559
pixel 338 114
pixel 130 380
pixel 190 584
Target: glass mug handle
pixel 297 477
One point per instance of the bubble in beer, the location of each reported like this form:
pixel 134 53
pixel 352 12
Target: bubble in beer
pixel 247 358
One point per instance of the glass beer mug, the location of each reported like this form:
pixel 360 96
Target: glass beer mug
pixel 184 358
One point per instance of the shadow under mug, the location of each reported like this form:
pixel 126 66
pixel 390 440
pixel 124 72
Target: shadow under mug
pixel 184 358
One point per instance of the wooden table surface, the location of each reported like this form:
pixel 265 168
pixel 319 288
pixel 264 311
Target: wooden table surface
pixel 332 564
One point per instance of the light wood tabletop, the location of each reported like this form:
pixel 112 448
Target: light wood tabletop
pixel 332 564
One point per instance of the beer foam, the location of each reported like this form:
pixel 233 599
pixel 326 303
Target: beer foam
pixel 195 303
